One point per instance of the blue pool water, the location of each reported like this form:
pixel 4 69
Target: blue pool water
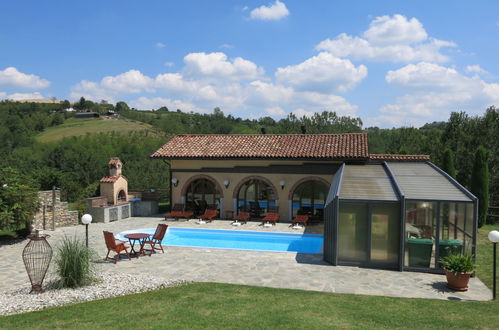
pixel 239 240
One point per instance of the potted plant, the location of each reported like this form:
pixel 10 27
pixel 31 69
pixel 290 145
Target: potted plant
pixel 458 270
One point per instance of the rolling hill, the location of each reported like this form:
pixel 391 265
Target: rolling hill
pixel 78 127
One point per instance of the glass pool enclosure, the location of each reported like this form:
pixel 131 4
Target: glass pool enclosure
pixel 397 215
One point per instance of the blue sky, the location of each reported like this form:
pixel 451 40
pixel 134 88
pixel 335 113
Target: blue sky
pixel 392 63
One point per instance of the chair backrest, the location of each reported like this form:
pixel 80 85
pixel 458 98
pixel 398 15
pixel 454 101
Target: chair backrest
pixel 159 234
pixel 244 215
pixel 210 213
pixel 302 217
pixel 110 240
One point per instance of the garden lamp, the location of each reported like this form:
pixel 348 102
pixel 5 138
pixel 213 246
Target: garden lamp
pixel 86 219
pixel 494 238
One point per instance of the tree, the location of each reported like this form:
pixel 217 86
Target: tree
pixel 57 119
pixel 480 183
pixel 65 105
pixel 82 103
pixel 448 163
pixel 122 106
pixel 18 200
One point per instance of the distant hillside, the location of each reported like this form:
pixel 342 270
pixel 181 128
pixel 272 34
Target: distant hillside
pixel 78 127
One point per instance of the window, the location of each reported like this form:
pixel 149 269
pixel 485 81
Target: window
pixel 256 196
pixel 309 198
pixel 202 194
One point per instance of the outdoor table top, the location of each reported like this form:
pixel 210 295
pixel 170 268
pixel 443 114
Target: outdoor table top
pixel 136 235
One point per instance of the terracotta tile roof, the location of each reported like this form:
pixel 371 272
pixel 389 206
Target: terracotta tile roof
pixel 111 179
pixel 399 158
pixel 265 146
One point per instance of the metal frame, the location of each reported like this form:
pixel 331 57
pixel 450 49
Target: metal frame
pixel 401 196
pixel 330 219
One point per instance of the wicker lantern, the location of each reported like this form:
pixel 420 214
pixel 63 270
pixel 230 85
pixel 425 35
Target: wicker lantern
pixel 36 256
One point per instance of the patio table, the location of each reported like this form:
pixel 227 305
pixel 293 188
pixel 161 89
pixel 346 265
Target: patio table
pixel 133 239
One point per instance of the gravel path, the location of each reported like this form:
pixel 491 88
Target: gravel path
pixel 19 300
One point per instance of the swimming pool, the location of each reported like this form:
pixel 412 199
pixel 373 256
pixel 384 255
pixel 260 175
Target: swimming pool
pixel 239 240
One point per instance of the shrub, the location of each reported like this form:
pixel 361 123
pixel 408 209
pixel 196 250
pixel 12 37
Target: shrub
pixel 73 263
pixel 458 263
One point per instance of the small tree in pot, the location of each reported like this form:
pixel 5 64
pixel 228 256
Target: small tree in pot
pixel 458 270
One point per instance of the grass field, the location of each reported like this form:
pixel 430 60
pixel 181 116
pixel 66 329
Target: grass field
pixel 484 255
pixel 78 127
pixel 215 306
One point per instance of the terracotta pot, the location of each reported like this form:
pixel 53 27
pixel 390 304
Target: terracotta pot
pixel 459 282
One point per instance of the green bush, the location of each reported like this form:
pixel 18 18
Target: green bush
pixel 73 263
pixel 458 263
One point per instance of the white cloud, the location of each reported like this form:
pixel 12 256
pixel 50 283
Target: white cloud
pixel 11 76
pixel 145 103
pixel 22 96
pixel 302 113
pixel 323 72
pixel 210 80
pixel 268 92
pixel 425 75
pixel 391 39
pixel 169 64
pixel 91 91
pixel 433 91
pixel 132 81
pixel 476 69
pixel 386 30
pixel 272 12
pixel 160 45
pixel 275 111
pixel 321 102
pixel 226 46
pixel 217 65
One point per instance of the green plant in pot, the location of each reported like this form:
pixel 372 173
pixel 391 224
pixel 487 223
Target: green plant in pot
pixel 458 270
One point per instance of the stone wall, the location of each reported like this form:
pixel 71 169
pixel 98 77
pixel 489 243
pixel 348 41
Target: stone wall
pixel 63 217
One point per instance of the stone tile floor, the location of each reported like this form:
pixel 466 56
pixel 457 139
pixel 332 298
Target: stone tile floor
pixel 270 269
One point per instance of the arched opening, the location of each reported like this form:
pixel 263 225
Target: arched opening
pixel 309 198
pixel 202 194
pixel 256 196
pixel 121 196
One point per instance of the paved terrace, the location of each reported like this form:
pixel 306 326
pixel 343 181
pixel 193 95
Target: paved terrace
pixel 270 269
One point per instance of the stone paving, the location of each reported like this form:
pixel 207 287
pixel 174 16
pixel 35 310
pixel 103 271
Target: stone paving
pixel 270 269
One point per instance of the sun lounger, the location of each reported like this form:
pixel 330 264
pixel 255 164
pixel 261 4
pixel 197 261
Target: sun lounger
pixel 300 219
pixel 270 218
pixel 242 217
pixel 208 215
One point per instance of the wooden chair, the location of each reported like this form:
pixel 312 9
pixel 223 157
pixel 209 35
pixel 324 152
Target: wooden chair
pixel 155 240
pixel 271 218
pixel 115 245
pixel 301 219
pixel 208 215
pixel 242 217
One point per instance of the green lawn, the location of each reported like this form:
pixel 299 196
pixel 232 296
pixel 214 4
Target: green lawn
pixel 210 305
pixel 78 127
pixel 484 255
